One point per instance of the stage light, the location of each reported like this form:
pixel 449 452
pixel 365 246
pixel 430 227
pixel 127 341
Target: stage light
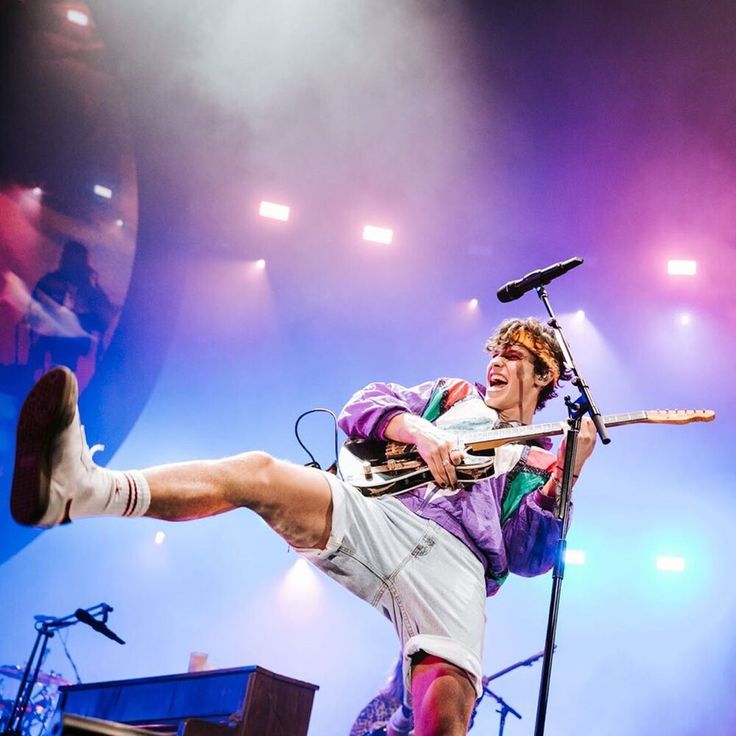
pixel 579 315
pixel 159 538
pixel 473 304
pixel 681 268
pixel 575 557
pixel 300 586
pixel 685 319
pixel 378 234
pixel 667 563
pixel 36 191
pixel 119 222
pixel 261 264
pixel 274 211
pixel 77 17
pixel 102 191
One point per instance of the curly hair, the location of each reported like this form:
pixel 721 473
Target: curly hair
pixel 542 343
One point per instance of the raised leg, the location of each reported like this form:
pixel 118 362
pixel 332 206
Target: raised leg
pixel 55 479
pixel 296 502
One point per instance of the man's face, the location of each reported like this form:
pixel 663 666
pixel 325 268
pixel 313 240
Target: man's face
pixel 512 387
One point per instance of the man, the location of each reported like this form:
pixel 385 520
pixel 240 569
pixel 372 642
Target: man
pixel 70 310
pixel 426 559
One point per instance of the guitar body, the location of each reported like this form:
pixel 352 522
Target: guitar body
pixel 376 468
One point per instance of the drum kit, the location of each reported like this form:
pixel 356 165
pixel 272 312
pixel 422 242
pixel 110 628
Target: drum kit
pixel 40 706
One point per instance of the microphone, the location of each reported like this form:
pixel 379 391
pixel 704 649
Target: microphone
pixel 514 289
pixel 87 618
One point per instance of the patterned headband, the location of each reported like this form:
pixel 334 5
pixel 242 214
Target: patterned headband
pixel 538 348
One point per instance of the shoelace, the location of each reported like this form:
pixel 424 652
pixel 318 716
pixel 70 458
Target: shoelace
pixel 89 452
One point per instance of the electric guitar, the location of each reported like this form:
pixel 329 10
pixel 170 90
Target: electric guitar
pixel 377 468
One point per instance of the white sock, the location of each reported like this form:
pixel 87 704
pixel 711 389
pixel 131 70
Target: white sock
pixel 113 493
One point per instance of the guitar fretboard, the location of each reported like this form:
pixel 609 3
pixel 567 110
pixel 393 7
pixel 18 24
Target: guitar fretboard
pixel 533 431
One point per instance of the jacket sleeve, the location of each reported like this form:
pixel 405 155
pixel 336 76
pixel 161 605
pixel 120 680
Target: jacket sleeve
pixel 530 528
pixel 531 534
pixel 369 410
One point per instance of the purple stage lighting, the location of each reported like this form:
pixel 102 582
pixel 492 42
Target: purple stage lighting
pixel 274 211
pixel 681 268
pixel 376 234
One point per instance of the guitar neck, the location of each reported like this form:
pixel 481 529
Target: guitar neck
pixel 487 440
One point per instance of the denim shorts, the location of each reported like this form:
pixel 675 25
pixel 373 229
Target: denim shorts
pixel 421 577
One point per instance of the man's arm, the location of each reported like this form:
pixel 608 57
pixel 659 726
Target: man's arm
pixel 438 448
pixel 389 411
pixel 369 410
pixel 532 531
pixel 586 445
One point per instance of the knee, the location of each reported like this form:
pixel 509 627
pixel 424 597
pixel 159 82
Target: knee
pixel 257 463
pixel 443 697
pixel 255 469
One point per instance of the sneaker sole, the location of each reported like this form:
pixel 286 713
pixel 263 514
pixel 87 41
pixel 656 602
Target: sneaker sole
pixel 48 409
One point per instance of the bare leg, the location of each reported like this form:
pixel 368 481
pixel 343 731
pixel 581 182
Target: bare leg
pixel 443 698
pixel 55 478
pixel 296 502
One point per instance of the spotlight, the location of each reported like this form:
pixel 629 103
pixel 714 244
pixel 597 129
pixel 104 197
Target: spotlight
pixel 580 315
pixel 36 191
pixel 159 538
pixel 575 557
pixel 378 234
pixel 300 587
pixel 102 191
pixel 261 264
pixel 77 17
pixel 667 563
pixel 274 211
pixel 685 319
pixel 681 268
pixel 473 304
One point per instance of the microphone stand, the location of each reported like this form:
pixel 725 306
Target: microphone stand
pixel 46 627
pixel 504 707
pixel 584 404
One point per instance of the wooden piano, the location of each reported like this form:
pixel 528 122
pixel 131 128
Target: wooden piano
pixel 244 701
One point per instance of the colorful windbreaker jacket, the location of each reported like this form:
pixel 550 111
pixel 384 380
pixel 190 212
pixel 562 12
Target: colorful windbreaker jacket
pixel 505 521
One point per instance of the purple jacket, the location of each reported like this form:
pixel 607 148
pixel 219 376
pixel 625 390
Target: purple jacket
pixel 505 521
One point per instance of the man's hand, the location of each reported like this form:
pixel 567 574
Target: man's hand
pixel 441 450
pixel 586 443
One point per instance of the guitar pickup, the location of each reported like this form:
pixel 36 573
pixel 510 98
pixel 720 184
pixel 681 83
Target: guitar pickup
pixel 392 465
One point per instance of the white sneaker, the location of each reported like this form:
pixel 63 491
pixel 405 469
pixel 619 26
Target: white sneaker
pixel 53 464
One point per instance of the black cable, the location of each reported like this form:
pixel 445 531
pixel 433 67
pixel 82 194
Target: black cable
pixel 63 640
pixel 313 462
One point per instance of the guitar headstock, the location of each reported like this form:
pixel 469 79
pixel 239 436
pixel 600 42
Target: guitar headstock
pixel 679 416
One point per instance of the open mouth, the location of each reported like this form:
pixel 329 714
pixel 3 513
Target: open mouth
pixel 497 382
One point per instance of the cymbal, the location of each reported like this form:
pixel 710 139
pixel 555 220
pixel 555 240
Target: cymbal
pixel 52 678
pixel 44 678
pixel 11 670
